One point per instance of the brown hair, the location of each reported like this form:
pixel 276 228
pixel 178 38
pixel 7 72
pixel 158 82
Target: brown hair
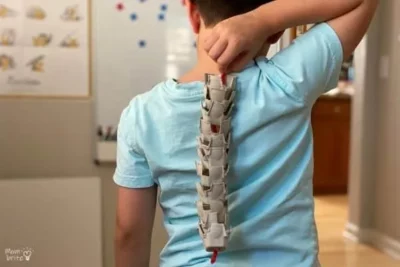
pixel 214 11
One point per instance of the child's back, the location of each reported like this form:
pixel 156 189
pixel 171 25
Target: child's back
pixel 271 157
pixel 270 180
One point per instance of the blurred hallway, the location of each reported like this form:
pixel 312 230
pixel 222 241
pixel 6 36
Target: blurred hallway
pixel 335 251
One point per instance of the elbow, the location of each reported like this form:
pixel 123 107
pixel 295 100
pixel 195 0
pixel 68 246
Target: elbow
pixel 128 235
pixel 124 234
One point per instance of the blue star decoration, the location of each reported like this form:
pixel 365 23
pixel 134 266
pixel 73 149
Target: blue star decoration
pixel 142 43
pixel 134 16
pixel 161 17
pixel 164 7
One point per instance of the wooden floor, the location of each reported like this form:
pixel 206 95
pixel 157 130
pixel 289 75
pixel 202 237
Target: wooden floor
pixel 335 250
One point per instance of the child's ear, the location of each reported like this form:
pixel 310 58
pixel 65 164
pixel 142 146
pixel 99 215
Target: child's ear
pixel 194 16
pixel 275 38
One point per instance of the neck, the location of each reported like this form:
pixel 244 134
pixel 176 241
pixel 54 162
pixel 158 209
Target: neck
pixel 204 63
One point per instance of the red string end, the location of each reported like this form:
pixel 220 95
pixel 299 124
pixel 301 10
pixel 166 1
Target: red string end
pixel 223 78
pixel 214 257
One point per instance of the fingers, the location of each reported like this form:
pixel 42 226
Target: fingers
pixel 210 41
pixel 229 55
pixel 240 62
pixel 217 49
pixel 223 48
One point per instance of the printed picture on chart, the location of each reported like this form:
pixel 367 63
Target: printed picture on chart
pixel 37 64
pixel 6 11
pixel 36 13
pixel 7 62
pixel 42 39
pixel 70 41
pixel 71 13
pixel 44 48
pixel 7 37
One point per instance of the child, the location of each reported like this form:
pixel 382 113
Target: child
pixel 271 154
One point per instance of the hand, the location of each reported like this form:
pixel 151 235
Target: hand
pixel 234 42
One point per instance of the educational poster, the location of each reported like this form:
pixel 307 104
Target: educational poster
pixel 44 49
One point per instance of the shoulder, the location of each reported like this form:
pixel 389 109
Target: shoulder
pixel 309 66
pixel 324 37
pixel 141 103
pixel 319 43
pixel 137 114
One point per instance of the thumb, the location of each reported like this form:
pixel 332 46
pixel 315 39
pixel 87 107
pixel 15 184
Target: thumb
pixel 223 69
pixel 240 62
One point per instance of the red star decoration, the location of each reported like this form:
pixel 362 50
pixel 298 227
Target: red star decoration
pixel 120 6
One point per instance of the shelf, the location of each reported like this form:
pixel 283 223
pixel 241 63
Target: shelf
pixel 106 152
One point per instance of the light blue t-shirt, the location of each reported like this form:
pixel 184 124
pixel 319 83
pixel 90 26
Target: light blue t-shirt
pixel 271 206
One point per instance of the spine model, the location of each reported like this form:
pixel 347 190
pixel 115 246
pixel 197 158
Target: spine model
pixel 213 167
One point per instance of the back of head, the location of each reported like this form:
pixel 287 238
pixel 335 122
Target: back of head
pixel 214 11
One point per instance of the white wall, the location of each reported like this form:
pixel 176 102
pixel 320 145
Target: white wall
pixel 375 168
pixel 124 69
pixel 387 205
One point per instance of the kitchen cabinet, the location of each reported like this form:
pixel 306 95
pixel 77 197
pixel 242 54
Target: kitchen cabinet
pixel 331 118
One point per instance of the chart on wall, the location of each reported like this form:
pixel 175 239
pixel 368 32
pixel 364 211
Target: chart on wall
pixel 44 49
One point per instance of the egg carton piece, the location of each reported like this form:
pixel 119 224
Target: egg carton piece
pixel 215 111
pixel 215 89
pixel 216 191
pixel 220 94
pixel 215 156
pixel 213 224
pixel 218 140
pixel 210 175
pixel 215 237
pixel 222 127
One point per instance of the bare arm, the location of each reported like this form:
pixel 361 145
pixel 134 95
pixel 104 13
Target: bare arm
pixel 349 18
pixel 242 37
pixel 135 218
pixel 352 26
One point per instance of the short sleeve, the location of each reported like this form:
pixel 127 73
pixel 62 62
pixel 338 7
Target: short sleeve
pixel 311 65
pixel 132 169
